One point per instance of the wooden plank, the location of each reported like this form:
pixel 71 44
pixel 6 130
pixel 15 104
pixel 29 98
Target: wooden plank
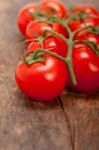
pixel 82 113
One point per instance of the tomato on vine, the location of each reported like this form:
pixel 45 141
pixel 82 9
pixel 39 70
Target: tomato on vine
pixel 24 17
pixel 86 8
pixel 62 50
pixel 86 69
pixel 53 7
pixel 81 19
pixel 42 81
pixel 80 23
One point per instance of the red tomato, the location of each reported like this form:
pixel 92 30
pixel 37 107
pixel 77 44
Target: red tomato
pixel 53 7
pixel 33 46
pixel 42 81
pixel 24 17
pixel 86 8
pixel 79 23
pixel 86 69
pixel 57 46
pixel 85 35
pixel 39 27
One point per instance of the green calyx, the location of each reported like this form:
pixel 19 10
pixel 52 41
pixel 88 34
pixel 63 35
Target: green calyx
pixel 34 57
pixel 94 30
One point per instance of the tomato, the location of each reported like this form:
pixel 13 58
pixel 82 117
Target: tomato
pixel 79 23
pixel 54 44
pixel 86 69
pixel 53 7
pixel 85 35
pixel 33 46
pixel 42 81
pixel 24 17
pixel 39 27
pixel 86 8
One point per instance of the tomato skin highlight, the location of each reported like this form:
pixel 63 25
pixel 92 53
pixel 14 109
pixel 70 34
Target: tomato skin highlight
pixel 39 27
pixel 55 45
pixel 86 8
pixel 42 81
pixel 24 17
pixel 86 69
pixel 53 7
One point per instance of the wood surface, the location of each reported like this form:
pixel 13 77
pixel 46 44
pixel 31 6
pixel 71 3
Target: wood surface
pixel 71 122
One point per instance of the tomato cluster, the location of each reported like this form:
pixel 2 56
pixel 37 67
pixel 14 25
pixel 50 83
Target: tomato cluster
pixel 63 50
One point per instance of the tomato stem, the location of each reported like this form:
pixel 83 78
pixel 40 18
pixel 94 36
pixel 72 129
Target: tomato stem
pixel 58 35
pixel 70 43
pixel 41 51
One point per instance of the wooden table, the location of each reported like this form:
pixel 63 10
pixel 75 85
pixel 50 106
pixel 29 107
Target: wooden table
pixel 71 122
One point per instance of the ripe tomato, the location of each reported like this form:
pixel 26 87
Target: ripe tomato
pixel 85 35
pixel 39 27
pixel 42 81
pixel 24 17
pixel 86 69
pixel 86 8
pixel 79 23
pixel 54 44
pixel 53 7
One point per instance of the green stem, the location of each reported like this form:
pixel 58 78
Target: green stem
pixel 70 49
pixel 69 54
pixel 70 43
pixel 68 59
pixel 70 63
pixel 80 29
pixel 71 17
pixel 58 35
pixel 50 53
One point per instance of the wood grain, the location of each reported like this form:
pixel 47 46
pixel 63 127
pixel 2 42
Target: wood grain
pixel 71 122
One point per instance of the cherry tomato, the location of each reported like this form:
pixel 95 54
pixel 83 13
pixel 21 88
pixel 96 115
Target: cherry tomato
pixel 86 69
pixel 54 44
pixel 53 7
pixel 24 17
pixel 42 81
pixel 33 46
pixel 86 8
pixel 79 23
pixel 37 27
pixel 85 35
